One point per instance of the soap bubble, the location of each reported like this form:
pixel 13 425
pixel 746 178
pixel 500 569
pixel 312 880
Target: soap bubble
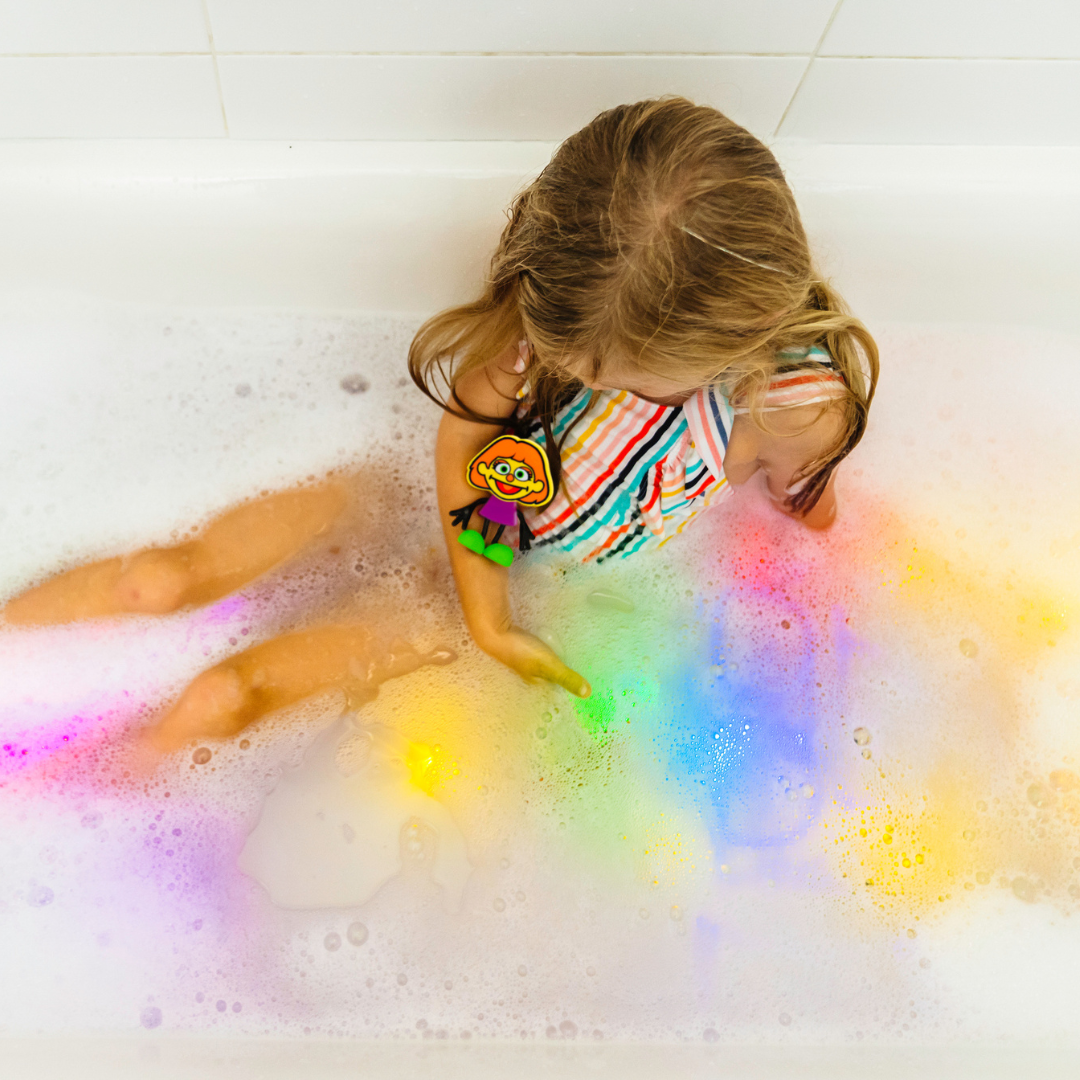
pixel 862 736
pixel 354 384
pixel 357 933
pixel 969 648
pixel 202 755
pixel 711 1035
pixel 1024 890
pixel 332 942
pixel 39 895
pixel 499 904
pixel 568 1029
pixel 1038 795
pixel 150 1017
pixel 418 842
pixel 1064 780
pixel 609 601
pixel 785 1019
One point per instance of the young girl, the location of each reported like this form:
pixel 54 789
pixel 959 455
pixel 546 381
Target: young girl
pixel 652 320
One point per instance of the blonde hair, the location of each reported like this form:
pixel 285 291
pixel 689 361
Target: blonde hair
pixel 662 235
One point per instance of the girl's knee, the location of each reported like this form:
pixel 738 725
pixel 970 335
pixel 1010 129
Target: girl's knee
pixel 154 583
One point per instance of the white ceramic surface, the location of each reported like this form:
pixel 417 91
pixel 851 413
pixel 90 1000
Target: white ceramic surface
pixel 991 102
pixel 487 26
pixel 471 97
pixel 48 27
pixel 90 97
pixel 1036 28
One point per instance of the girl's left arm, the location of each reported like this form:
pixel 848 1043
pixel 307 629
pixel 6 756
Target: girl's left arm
pixel 800 435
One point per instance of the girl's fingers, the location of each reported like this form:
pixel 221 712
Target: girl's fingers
pixel 567 678
pixel 533 660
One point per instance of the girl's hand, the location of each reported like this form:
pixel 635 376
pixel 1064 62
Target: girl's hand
pixel 531 659
pixel 801 435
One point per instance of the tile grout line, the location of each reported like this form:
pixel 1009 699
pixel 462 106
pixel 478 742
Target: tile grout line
pixel 982 58
pixel 809 65
pixel 214 60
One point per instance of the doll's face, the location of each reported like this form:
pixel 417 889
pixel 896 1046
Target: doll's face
pixel 509 479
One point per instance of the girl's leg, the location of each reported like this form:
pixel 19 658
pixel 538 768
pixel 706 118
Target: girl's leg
pixel 225 699
pixel 236 547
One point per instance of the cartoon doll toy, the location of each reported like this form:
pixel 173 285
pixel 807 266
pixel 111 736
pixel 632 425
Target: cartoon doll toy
pixel 512 473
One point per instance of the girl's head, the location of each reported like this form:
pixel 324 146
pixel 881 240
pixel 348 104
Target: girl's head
pixel 660 251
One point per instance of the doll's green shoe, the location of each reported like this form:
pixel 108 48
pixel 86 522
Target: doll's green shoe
pixel 499 553
pixel 471 539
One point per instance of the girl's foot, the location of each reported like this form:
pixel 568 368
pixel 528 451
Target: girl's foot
pixel 217 704
pixel 223 701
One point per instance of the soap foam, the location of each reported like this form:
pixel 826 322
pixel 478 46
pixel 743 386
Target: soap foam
pixel 339 827
pixel 820 776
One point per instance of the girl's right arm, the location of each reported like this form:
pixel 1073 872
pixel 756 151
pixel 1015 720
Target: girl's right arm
pixel 483 585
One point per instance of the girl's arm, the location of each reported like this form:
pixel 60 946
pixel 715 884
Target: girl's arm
pixel 483 585
pixel 801 435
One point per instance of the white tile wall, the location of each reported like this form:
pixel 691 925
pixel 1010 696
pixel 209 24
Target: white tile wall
pixel 479 26
pixel 938 101
pixel 887 71
pixel 109 97
pixel 468 97
pixel 988 28
pixel 102 26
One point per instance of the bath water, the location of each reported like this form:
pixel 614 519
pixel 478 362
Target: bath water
pixel 827 789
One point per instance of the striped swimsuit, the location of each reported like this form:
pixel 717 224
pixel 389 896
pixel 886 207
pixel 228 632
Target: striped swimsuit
pixel 635 473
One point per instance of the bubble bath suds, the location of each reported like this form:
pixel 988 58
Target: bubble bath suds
pixel 827 787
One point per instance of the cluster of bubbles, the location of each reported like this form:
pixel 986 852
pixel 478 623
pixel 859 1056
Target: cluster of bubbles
pixel 594 892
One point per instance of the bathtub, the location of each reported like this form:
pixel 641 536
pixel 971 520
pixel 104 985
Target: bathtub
pixel 961 245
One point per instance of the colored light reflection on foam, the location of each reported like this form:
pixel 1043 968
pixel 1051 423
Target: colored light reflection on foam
pixel 760 748
pixel 733 709
pixel 35 727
